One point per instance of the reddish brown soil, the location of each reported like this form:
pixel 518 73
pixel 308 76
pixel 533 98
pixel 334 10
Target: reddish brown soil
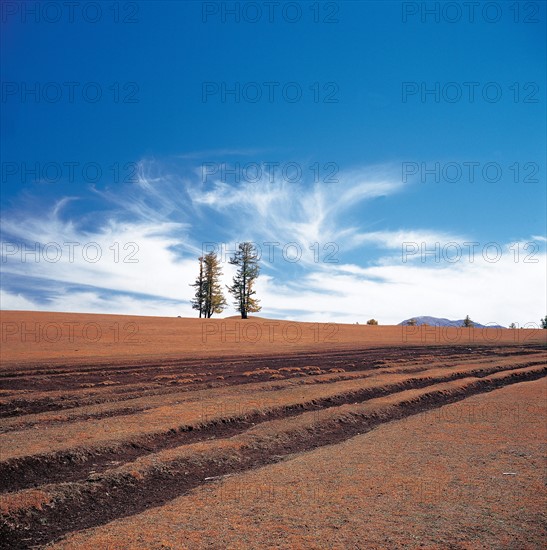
pixel 41 337
pixel 466 476
pixel 90 437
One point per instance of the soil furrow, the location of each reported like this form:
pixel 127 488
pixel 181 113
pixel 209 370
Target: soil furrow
pixel 364 360
pixel 121 407
pixel 24 378
pixel 121 494
pixel 77 463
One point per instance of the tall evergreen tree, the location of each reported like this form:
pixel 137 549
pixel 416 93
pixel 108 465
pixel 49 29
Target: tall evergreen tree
pixel 467 323
pixel 214 298
pixel 242 289
pixel 198 301
pixel 208 298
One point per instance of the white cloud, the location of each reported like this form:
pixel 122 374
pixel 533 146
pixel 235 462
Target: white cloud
pixel 9 300
pixel 93 302
pixel 500 292
pixel 166 214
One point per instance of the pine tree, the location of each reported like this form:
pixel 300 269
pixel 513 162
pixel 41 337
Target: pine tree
pixel 209 298
pixel 544 322
pixel 214 301
pixel 246 259
pixel 199 298
pixel 467 323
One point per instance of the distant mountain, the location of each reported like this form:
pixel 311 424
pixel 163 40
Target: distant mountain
pixel 442 322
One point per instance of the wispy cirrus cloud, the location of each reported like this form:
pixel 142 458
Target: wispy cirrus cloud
pixel 169 213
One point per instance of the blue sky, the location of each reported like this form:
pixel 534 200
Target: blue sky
pixel 141 153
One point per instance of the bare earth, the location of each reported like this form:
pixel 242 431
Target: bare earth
pixel 142 432
pixel 467 475
pixel 38 336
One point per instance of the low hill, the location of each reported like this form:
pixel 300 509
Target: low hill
pixel 248 317
pixel 442 322
pixel 39 337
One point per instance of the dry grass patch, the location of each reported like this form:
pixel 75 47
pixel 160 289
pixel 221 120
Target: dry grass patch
pixel 24 500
